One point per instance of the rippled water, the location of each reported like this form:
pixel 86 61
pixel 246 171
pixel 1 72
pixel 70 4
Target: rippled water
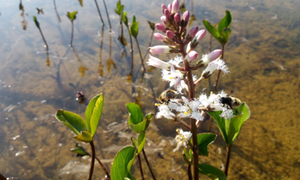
pixel 262 55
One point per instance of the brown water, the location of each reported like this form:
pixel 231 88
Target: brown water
pixel 262 55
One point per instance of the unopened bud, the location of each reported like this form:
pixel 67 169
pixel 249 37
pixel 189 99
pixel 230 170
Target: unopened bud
pixel 191 56
pixel 177 18
pixel 193 31
pixel 163 7
pixel 175 6
pixel 160 27
pixel 170 7
pixel 160 49
pixel 186 16
pixel 159 37
pixel 163 19
pixel 170 34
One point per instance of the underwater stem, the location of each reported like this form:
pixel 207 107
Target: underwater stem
pixel 93 160
pixel 104 169
pixel 140 165
pixel 152 174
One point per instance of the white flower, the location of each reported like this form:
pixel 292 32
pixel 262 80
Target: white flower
pixel 189 109
pixel 164 111
pixel 175 77
pixel 176 61
pixel 182 139
pixel 217 64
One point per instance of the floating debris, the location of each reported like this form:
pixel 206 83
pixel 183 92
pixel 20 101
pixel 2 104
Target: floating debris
pixel 43 101
pixel 15 137
pixel 9 108
pixel 19 153
pixel 278 65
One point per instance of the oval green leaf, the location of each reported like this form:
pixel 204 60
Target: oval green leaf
pixel 230 129
pixel 72 15
pixel 79 150
pixel 36 22
pixel 205 139
pixel 211 172
pixel 93 113
pixel 71 120
pixel 225 22
pixel 120 168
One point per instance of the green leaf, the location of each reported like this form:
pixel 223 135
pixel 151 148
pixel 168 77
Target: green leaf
pixel 93 113
pixel 136 121
pixel 225 22
pixel 79 150
pixel 133 20
pixel 211 29
pixel 211 171
pixel 226 33
pixel 85 136
pixel 122 164
pixel 134 29
pixel 124 18
pixel 204 139
pixel 36 22
pixel 230 128
pixel 71 120
pixel 119 9
pixel 141 142
pixel 135 113
pixel 72 15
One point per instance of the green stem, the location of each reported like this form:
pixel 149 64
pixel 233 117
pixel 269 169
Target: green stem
pixel 93 160
pixel 195 149
pixel 152 174
pixel 46 45
pixel 227 160
pixel 219 73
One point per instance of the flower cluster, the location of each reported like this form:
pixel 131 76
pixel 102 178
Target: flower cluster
pixel 177 71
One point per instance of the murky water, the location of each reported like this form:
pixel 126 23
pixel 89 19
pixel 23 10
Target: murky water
pixel 262 55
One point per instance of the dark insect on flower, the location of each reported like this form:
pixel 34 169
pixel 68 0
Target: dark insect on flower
pixel 230 102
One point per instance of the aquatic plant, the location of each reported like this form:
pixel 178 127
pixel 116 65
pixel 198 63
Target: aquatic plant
pixel 177 103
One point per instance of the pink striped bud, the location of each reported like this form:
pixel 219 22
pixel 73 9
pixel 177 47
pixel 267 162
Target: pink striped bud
pixel 170 7
pixel 207 58
pixel 191 56
pixel 170 34
pixel 186 16
pixel 159 49
pixel 167 13
pixel 200 34
pixel 159 37
pixel 163 19
pixel 155 62
pixel 193 31
pixel 177 18
pixel 163 7
pixel 160 27
pixel 175 6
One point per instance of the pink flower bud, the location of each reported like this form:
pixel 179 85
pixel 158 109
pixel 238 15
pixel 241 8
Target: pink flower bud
pixel 170 7
pixel 200 34
pixel 163 7
pixel 163 19
pixel 177 17
pixel 193 31
pixel 155 62
pixel 167 13
pixel 186 16
pixel 214 55
pixel 207 58
pixel 160 27
pixel 170 34
pixel 159 49
pixel 175 6
pixel 159 37
pixel 191 56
